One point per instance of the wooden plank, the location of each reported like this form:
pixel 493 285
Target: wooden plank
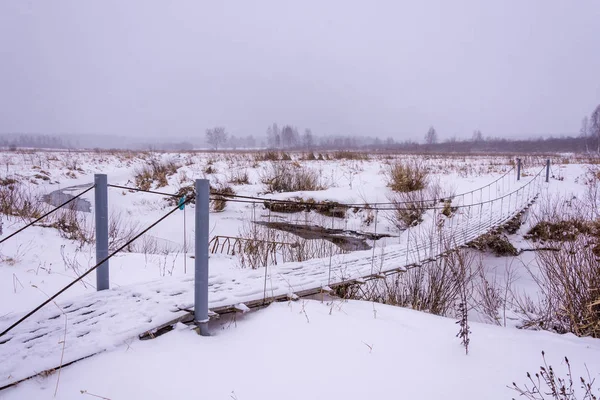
pixel 166 327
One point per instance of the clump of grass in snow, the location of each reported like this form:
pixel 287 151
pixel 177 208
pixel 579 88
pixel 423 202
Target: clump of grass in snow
pixel 285 177
pixel 407 177
pixel 155 170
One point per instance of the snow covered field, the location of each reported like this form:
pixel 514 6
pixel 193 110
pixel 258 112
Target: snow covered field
pixel 288 350
pixel 309 349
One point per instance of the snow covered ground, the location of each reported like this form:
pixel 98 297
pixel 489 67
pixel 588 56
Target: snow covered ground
pixel 280 352
pixel 309 349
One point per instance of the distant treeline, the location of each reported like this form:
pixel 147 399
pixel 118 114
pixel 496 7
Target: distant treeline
pixel 497 145
pixel 307 142
pixel 15 141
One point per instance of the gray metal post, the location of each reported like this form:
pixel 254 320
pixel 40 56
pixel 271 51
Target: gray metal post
pixel 201 257
pixel 101 211
pixel 518 169
pixel 548 170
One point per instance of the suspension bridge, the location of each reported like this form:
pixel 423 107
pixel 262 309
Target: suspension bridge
pixel 60 334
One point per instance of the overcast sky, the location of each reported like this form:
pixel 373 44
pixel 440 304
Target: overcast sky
pixel 373 68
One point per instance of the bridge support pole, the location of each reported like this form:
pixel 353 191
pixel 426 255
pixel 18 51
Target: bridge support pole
pixel 101 214
pixel 518 169
pixel 548 170
pixel 201 257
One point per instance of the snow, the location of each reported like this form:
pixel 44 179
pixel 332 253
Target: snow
pixel 308 349
pixel 36 252
pixel 289 350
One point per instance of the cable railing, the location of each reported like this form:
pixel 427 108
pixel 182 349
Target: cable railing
pixel 515 200
pixel 46 214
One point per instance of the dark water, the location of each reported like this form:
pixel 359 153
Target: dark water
pixel 345 239
pixel 58 197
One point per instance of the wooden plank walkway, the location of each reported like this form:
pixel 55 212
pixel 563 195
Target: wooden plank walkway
pixel 94 323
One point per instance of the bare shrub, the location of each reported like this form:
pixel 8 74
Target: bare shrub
pixel 568 282
pixel 219 197
pixel 548 384
pixel 495 242
pixel 155 170
pixel 435 287
pixel 120 231
pixel 568 276
pixel 239 177
pixel 409 207
pixel 285 177
pixel 148 244
pixel 492 297
pixel 407 176
pixel 19 200
pixel 592 194
pixel 72 225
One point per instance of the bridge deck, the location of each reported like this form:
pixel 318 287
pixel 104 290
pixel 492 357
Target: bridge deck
pixel 103 320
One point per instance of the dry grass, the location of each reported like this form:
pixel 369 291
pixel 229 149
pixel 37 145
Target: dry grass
pixel 19 200
pixel 155 170
pixel 496 243
pixel 407 176
pixel 568 278
pixel 298 204
pixel 72 225
pixel 262 246
pixel 568 282
pixel 219 197
pixel 349 155
pixel 285 177
pixel 239 177
pixel 271 155
pixel 435 287
pixel 409 207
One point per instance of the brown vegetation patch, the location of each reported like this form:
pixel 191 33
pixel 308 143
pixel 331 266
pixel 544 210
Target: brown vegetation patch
pixel 495 242
pixel 407 177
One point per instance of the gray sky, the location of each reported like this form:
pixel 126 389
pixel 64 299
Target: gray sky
pixel 374 68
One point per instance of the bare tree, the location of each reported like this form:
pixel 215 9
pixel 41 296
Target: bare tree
pixel 216 136
pixel 594 126
pixel 250 141
pixel 307 139
pixel 234 141
pixel 477 136
pixel 273 136
pixel 583 131
pixel 289 136
pixel 431 137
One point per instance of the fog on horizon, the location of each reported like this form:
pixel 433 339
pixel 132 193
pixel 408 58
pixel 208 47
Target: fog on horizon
pixel 388 68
